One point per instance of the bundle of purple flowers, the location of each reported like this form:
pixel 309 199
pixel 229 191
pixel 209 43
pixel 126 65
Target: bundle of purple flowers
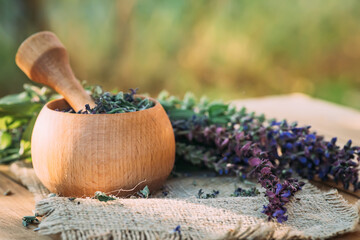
pixel 219 137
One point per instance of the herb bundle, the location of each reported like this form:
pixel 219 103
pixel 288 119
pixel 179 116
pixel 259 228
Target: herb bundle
pixel 217 136
pixel 18 113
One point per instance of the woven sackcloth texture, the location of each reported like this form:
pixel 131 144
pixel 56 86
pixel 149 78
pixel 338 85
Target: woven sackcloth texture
pixel 312 214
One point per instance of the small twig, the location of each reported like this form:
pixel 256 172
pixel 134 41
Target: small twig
pixel 126 190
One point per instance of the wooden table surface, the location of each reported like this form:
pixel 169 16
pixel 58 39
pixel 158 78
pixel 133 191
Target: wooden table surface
pixel 328 119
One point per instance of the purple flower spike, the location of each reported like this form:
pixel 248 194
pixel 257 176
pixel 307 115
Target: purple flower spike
pixel 278 213
pixel 254 162
pixel 286 195
pixel 303 160
pixel 281 218
pixel 278 188
pixel 265 171
pixel 246 145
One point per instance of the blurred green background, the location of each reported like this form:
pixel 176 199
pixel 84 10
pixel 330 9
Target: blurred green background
pixel 224 49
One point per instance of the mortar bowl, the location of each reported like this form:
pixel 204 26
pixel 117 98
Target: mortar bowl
pixel 75 155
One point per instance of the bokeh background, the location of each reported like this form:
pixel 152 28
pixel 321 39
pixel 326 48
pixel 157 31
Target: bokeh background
pixel 224 49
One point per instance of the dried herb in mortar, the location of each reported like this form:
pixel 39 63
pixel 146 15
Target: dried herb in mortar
pixel 114 103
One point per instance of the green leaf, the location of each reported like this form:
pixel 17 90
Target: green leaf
pixel 163 95
pixel 114 91
pixel 29 128
pixel 145 102
pixel 203 105
pixel 18 105
pixel 219 120
pixel 166 105
pixel 119 96
pixel 29 220
pixel 25 147
pixel 24 223
pixel 25 108
pixel 177 114
pixel 217 109
pixel 10 158
pixel 102 197
pixel 15 98
pixel 36 93
pixel 5 140
pixel 117 110
pixel 97 91
pixel 189 101
pixel 261 118
pixel 11 122
pixel 145 192
pixel 9 151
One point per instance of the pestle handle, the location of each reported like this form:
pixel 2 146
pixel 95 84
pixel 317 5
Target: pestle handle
pixel 44 59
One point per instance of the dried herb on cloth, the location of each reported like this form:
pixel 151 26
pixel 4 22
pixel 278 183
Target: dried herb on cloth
pixel 144 193
pixel 27 220
pixel 239 192
pixel 7 192
pixel 201 194
pixel 102 197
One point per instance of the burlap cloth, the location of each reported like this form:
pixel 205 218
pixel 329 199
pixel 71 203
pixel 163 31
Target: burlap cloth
pixel 312 214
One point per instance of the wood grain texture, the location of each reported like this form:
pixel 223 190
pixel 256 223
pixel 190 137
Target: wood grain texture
pixel 78 154
pixel 43 58
pixel 13 208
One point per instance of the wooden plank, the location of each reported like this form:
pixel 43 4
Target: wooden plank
pixel 12 208
pixel 5 169
pixel 349 236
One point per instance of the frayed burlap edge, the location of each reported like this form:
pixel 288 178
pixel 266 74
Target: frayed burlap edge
pixel 257 230
pixel 342 206
pixel 267 230
pixel 260 231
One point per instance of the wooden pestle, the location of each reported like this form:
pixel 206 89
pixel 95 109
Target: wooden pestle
pixel 44 59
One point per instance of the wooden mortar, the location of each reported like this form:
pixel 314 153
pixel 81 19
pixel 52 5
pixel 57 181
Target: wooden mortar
pixel 76 155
